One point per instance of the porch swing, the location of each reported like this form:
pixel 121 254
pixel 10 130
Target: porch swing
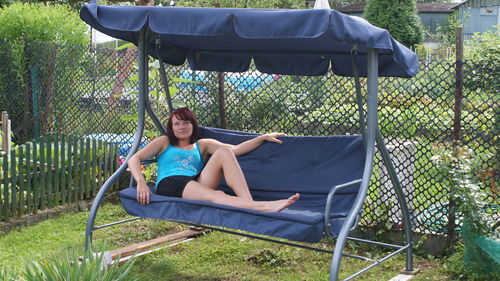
pixel 331 173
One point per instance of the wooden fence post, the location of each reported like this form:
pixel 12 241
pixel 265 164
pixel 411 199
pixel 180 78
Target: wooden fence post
pixel 5 132
pixel 457 124
pixel 458 84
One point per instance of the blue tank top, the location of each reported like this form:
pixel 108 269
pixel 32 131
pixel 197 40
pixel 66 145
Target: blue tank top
pixel 174 161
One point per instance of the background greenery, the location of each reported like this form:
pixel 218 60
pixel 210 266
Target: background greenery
pixel 399 17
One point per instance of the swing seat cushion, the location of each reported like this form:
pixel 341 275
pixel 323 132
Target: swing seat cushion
pixel 311 166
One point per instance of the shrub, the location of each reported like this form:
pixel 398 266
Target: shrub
pixel 483 47
pixel 447 33
pixel 460 165
pixel 267 4
pixel 41 22
pixel 26 30
pixel 399 17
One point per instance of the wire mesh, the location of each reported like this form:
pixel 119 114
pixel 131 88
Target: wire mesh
pixel 92 92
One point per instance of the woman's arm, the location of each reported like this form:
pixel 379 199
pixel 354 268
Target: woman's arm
pixel 211 145
pixel 134 165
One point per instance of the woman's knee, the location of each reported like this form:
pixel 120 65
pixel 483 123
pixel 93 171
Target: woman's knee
pixel 224 152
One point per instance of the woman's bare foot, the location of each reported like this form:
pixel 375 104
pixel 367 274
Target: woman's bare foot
pixel 279 205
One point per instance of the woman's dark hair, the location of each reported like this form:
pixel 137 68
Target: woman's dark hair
pixel 185 114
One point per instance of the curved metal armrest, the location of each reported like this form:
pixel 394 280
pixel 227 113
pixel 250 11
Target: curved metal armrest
pixel 329 202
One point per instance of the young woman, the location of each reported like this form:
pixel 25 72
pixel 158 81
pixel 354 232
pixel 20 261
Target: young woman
pixel 183 170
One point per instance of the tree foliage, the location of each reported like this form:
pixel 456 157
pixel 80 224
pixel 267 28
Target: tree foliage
pixel 400 17
pixel 41 22
pixel 264 4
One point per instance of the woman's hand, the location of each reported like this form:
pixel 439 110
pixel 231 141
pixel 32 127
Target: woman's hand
pixel 143 194
pixel 273 137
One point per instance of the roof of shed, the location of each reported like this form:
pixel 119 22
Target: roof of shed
pixel 479 3
pixel 422 7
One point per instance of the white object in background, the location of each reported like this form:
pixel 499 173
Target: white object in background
pixel 321 4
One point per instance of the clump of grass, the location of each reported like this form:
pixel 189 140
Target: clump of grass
pixel 69 267
pixel 7 275
pixel 267 258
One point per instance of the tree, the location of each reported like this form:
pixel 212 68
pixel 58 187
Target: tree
pixel 399 17
pixel 266 4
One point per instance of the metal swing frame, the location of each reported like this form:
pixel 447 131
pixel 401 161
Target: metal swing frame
pixel 371 136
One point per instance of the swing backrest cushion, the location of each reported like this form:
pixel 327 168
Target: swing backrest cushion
pixel 300 164
pixel 311 166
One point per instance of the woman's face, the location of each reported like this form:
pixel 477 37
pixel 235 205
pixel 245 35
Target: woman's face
pixel 183 129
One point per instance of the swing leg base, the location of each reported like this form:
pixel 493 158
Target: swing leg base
pixel 415 271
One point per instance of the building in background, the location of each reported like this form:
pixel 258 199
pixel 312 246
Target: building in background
pixel 478 15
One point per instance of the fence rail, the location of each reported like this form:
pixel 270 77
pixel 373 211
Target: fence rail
pixel 51 171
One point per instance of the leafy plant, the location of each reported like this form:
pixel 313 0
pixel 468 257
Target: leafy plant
pixel 268 4
pixel 458 268
pixel 399 17
pixel 447 33
pixel 69 268
pixel 41 22
pixel 483 47
pixel 460 165
pixel 7 275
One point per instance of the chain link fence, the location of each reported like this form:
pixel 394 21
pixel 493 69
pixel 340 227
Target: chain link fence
pixel 92 92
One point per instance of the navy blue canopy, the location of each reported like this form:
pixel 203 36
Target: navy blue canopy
pixel 296 42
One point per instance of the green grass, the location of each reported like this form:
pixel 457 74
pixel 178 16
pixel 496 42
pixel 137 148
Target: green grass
pixel 213 256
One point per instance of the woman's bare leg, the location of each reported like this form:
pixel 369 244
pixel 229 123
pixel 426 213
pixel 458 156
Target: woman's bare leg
pixel 196 191
pixel 223 162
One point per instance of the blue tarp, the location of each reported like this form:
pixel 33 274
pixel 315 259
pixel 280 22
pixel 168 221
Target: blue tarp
pixel 297 42
pixel 308 165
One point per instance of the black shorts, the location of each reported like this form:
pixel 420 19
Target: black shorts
pixel 173 186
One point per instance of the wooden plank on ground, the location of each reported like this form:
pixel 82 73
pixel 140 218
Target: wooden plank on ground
pixel 147 245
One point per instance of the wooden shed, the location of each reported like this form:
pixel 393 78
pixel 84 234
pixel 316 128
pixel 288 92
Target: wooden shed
pixel 478 15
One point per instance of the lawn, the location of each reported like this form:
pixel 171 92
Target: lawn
pixel 212 256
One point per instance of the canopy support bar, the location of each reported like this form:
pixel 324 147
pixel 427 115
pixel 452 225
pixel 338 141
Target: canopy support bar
pixel 141 105
pixel 372 123
pixel 163 76
pixel 359 96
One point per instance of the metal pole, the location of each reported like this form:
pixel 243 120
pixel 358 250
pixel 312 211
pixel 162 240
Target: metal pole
pixel 359 97
pixel 222 101
pixel 141 104
pixel 163 77
pixel 401 199
pixel 372 125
